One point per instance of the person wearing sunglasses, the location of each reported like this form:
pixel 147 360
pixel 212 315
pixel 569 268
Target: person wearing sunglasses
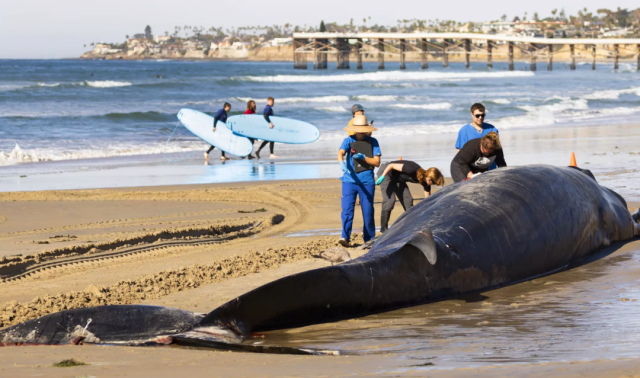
pixel 476 156
pixel 477 128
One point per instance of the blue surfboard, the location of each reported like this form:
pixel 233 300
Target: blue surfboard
pixel 201 125
pixel 285 130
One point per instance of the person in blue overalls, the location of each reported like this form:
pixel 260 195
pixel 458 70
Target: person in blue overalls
pixel 477 128
pixel 361 184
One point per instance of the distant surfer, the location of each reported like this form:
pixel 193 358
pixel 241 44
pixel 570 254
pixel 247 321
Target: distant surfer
pixel 477 128
pixel 268 113
pixel 357 180
pixel 251 109
pixel 476 156
pixel 221 115
pixel 393 178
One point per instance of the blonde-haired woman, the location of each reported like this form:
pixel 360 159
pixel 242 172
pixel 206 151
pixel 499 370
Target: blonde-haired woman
pixel 393 183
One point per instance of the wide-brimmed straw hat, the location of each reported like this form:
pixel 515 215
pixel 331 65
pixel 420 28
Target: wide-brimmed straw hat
pixel 360 125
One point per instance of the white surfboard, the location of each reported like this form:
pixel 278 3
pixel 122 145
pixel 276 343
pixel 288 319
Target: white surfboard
pixel 285 130
pixel 201 125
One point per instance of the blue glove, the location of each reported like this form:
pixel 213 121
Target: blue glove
pixel 359 156
pixel 343 166
pixel 379 180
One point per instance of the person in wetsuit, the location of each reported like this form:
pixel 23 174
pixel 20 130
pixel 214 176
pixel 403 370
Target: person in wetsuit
pixel 358 182
pixel 476 156
pixel 221 115
pixel 393 178
pixel 267 113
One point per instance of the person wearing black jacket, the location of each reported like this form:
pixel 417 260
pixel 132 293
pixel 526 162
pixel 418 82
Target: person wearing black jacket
pixel 476 156
pixel 221 115
pixel 267 113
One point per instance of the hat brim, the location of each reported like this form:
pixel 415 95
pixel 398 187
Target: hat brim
pixel 360 129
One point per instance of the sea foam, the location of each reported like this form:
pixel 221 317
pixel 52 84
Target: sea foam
pixel 386 76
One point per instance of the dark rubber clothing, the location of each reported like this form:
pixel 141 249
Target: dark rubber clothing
pixel 391 189
pixel 471 159
pixel 264 143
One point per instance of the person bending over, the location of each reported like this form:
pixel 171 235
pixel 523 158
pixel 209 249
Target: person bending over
pixel 221 115
pixel 268 113
pixel 357 180
pixel 477 128
pixel 476 156
pixel 393 183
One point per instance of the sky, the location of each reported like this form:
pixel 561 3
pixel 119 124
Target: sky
pixel 53 29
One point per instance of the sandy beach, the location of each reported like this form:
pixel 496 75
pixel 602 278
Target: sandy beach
pixel 195 247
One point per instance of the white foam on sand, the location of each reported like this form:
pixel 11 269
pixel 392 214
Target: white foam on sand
pixel 386 76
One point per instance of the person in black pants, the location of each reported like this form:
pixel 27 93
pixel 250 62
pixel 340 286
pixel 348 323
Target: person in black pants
pixel 267 113
pixel 476 156
pixel 393 178
pixel 221 115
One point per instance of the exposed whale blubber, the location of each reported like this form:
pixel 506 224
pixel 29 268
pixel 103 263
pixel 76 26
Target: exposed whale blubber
pixel 503 227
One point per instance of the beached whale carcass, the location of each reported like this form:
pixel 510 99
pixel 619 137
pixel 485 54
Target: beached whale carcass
pixel 505 226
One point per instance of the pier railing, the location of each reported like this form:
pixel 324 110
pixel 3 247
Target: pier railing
pixel 343 45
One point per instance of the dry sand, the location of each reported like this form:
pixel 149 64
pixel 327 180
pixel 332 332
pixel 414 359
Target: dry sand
pixel 189 247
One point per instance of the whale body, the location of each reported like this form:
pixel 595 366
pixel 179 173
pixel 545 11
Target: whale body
pixel 503 227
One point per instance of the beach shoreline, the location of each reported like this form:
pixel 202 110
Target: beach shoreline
pixel 34 222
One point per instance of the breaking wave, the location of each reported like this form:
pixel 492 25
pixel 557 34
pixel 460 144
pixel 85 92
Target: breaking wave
pixel 436 106
pixel 385 76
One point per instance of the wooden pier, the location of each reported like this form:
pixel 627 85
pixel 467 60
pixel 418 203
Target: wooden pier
pixel 344 45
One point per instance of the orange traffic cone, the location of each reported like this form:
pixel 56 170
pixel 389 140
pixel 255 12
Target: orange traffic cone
pixel 573 163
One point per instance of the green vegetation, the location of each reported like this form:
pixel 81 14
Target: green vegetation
pixel 69 363
pixel 584 22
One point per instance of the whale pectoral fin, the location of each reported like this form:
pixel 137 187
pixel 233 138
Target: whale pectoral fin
pixel 636 216
pixel 424 241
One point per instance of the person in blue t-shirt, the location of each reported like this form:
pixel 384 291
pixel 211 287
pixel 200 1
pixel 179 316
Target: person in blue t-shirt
pixel 361 184
pixel 221 115
pixel 268 113
pixel 477 128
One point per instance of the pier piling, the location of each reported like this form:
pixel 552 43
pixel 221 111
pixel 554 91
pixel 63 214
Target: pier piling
pixel 359 53
pixel 638 57
pixel 489 61
pixel 532 57
pixel 593 58
pixel 425 62
pixel 299 58
pixel 467 52
pixel 615 56
pixel 319 46
pixel 510 56
pixel 381 54
pixel 403 48
pixel 342 58
pixel 550 58
pixel 572 48
pixel 445 56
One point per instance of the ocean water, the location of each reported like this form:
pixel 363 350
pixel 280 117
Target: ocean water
pixel 66 110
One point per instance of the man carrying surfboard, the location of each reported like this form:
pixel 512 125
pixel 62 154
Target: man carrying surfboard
pixel 358 155
pixel 221 115
pixel 267 113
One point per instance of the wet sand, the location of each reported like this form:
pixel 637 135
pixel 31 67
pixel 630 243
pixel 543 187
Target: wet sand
pixel 164 245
